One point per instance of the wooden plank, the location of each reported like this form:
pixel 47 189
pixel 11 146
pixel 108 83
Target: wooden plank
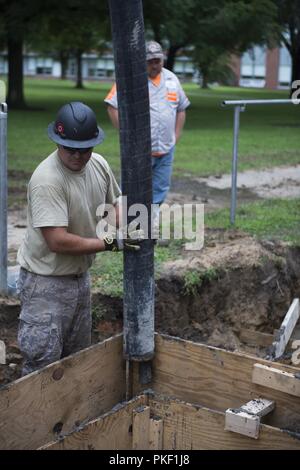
pixel 296 354
pixel 156 434
pixel 140 428
pixel 217 379
pixel 276 379
pixel 62 396
pixel 286 329
pixel 188 427
pixel 111 431
pixel 259 407
pixel 256 338
pixel 2 353
pixel 242 422
pixel 246 419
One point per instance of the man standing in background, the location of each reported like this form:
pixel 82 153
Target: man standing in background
pixel 168 103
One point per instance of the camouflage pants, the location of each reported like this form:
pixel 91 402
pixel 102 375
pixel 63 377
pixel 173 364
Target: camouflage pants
pixel 55 318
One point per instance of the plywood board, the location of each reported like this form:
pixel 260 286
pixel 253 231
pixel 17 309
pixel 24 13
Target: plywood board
pixel 217 379
pixel 62 396
pixel 188 427
pixel 112 431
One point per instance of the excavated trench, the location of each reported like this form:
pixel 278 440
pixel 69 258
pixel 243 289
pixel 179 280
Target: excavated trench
pixel 221 310
pixel 217 296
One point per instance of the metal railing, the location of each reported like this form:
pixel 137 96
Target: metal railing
pixel 3 199
pixel 240 106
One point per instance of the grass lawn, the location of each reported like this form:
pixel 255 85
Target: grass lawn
pixel 269 220
pixel 276 219
pixel 269 134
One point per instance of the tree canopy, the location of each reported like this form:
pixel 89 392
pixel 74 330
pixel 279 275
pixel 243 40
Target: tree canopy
pixel 211 29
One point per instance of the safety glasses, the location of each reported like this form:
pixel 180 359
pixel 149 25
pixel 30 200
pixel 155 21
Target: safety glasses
pixel 72 150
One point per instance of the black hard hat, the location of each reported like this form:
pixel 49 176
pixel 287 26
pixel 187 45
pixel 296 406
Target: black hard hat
pixel 76 126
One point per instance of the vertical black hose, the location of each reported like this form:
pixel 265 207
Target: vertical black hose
pixel 135 142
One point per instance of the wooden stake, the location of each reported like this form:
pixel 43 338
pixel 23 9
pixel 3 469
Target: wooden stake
pixel 286 329
pixel 140 428
pixel 156 434
pixel 2 353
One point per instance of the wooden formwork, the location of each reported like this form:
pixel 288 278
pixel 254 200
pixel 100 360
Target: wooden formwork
pixel 78 403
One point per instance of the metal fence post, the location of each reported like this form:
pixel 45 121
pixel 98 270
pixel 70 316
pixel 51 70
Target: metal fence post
pixel 236 130
pixel 240 105
pixel 3 199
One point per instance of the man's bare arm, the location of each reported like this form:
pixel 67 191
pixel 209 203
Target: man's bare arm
pixel 59 240
pixel 180 120
pixel 114 115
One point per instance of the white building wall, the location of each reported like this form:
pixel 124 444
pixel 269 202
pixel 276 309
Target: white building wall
pixel 285 67
pixel 253 68
pixel 56 69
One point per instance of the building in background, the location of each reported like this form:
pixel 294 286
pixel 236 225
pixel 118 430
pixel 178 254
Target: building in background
pixel 263 68
pixel 259 67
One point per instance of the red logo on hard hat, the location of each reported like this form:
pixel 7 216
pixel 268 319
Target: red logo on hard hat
pixel 60 128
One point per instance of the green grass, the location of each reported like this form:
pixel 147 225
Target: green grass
pixel 276 219
pixel 269 134
pixel 107 274
pixel 193 279
pixel 107 271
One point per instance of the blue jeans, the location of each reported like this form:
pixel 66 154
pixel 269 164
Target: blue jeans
pixel 161 175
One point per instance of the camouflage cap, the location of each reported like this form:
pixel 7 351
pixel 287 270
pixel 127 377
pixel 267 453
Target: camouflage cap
pixel 154 50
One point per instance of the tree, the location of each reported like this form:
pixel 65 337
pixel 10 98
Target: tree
pixel 76 23
pixel 79 27
pixel 228 27
pixel 17 18
pixel 213 28
pixel 170 21
pixel 288 18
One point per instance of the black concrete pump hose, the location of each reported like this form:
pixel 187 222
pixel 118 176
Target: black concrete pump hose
pixel 135 143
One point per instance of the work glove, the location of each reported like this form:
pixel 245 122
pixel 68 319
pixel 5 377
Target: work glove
pixel 116 242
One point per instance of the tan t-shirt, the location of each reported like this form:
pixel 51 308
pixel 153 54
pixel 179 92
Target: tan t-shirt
pixel 59 197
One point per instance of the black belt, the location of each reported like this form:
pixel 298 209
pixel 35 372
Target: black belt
pixel 70 276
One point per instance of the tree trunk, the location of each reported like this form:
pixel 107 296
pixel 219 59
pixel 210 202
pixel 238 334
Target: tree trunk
pixel 63 58
pixel 15 97
pixel 156 30
pixel 79 82
pixel 204 79
pixel 172 56
pixel 295 68
pixel 295 56
pixel 296 65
